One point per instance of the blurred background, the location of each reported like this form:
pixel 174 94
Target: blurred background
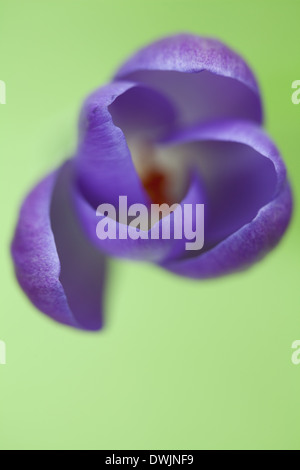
pixel 181 364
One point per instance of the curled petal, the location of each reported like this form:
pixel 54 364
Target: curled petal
pixel 236 131
pixel 205 78
pixel 244 247
pixel 59 271
pixel 104 165
pixel 241 169
pixel 259 221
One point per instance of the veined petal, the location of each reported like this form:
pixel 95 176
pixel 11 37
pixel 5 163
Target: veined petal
pixel 257 202
pixel 60 272
pixel 205 78
pixel 240 167
pixel 104 165
pixel 243 248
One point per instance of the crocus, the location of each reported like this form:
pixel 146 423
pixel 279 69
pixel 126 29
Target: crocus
pixel 180 122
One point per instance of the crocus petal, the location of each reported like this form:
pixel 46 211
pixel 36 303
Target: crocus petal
pixel 244 247
pixel 225 87
pixel 59 271
pixel 240 166
pixel 104 163
pixel 257 236
pixel 124 245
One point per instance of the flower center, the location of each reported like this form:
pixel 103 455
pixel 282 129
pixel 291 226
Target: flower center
pixel 156 184
pixel 163 172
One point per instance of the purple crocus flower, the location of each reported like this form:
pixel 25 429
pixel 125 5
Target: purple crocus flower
pixel 180 122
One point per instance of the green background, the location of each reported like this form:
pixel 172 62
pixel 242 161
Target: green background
pixel 181 364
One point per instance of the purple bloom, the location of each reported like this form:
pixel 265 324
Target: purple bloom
pixel 180 123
